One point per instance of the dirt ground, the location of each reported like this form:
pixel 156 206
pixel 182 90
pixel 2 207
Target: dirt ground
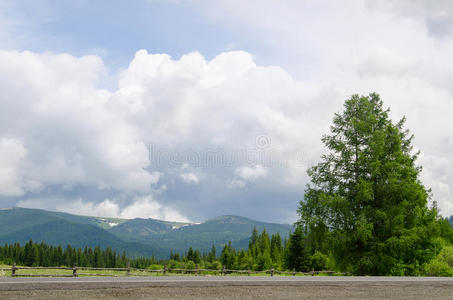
pixel 337 291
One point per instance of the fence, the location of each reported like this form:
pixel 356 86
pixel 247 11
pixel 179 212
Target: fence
pixel 128 271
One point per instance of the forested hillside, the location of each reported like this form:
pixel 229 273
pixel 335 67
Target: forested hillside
pixel 138 237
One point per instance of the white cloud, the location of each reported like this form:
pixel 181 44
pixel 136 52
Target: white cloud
pixel 148 207
pixel 235 184
pixel 252 173
pixel 190 178
pixel 12 153
pixel 72 133
pixel 106 208
pixel 141 207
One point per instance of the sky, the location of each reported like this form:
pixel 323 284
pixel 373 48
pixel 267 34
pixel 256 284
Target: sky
pixel 187 110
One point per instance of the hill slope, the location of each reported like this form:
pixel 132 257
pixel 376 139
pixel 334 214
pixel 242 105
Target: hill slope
pixel 22 224
pixel 217 231
pixel 138 237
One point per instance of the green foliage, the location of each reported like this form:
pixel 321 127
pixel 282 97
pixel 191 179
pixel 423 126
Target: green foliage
pixel 439 269
pixel 297 255
pixel 216 265
pixel 276 250
pixel 228 256
pixel 155 267
pixel 319 261
pixel 366 204
pixel 442 265
pixel 190 265
pixel 32 254
pixel 264 253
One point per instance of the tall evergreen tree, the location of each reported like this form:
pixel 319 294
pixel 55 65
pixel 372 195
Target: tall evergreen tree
pixel 366 197
pixel 253 243
pixel 297 255
pixel 212 254
pixel 276 249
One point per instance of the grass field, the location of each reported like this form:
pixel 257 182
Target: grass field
pixel 5 270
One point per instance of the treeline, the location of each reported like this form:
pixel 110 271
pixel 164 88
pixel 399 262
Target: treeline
pixel 263 253
pixel 43 255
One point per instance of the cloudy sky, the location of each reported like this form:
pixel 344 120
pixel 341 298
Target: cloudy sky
pixel 187 110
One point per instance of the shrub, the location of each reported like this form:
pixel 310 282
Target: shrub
pixel 156 267
pixel 439 268
pixel 446 255
pixel 173 264
pixel 216 265
pixel 319 261
pixel 442 265
pixel 190 265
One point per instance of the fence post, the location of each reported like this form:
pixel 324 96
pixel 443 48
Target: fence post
pixel 272 271
pixel 312 272
pixel 294 271
pixel 165 269
pixel 128 266
pixel 249 272
pixel 196 269
pixel 13 270
pixel 224 270
pixel 74 271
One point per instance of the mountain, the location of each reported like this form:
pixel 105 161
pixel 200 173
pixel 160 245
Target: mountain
pixel 17 218
pixel 138 237
pixel 55 228
pixel 180 236
pixel 218 231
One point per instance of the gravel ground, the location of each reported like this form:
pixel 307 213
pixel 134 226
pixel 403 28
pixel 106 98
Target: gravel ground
pixel 247 289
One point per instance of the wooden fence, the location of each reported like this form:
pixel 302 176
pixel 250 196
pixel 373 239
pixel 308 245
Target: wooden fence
pixel 128 271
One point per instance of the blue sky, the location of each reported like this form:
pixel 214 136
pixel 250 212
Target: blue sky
pixel 89 87
pixel 116 29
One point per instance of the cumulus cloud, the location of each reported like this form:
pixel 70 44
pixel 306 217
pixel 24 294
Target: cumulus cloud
pixel 73 134
pixel 148 207
pixel 141 207
pixel 190 178
pixel 235 184
pixel 12 153
pixel 82 138
pixel 106 208
pixel 251 173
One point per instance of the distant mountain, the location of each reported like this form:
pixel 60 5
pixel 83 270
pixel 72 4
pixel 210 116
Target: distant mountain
pixel 22 224
pixel 138 237
pixel 218 231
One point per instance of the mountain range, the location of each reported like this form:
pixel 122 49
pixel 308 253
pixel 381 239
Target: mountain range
pixel 138 237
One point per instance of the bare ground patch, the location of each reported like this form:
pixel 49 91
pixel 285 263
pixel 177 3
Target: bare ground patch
pixel 342 290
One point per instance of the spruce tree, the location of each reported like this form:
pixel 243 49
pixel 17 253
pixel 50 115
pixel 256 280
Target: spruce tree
pixel 366 204
pixel 297 255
